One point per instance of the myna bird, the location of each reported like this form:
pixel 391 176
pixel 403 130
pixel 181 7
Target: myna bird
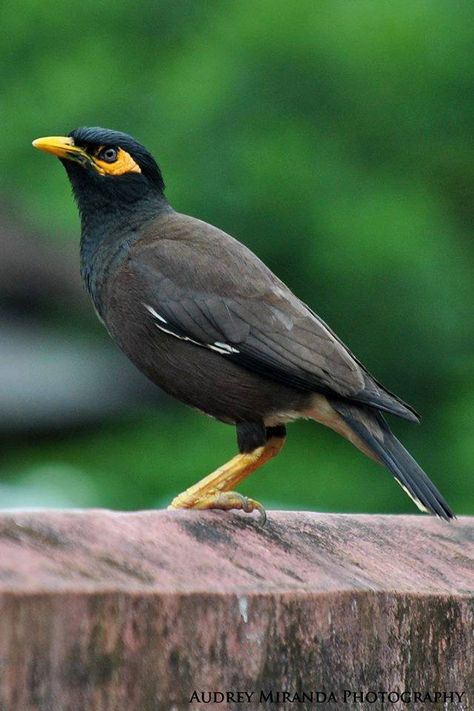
pixel 207 321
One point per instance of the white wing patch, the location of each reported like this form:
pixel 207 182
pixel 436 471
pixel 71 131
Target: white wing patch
pixel 223 347
pixel 155 313
pixel 217 346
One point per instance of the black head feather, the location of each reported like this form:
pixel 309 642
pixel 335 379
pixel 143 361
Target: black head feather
pixel 93 137
pixel 103 196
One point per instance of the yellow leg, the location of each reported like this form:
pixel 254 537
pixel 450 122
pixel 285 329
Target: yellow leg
pixel 216 491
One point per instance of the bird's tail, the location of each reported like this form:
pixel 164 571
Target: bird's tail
pixel 367 429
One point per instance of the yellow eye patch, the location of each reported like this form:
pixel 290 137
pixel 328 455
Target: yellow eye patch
pixel 124 163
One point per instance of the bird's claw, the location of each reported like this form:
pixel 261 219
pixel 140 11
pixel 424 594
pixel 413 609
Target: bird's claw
pixel 229 500
pixel 223 500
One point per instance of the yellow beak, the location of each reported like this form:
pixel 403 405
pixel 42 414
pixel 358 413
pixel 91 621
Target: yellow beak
pixel 63 147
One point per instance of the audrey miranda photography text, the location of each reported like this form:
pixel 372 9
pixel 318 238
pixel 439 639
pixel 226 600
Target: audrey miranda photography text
pixel 346 696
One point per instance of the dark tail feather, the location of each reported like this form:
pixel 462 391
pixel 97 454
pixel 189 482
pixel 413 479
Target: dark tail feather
pixel 371 428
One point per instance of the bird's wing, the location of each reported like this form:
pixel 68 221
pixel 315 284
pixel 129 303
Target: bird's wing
pixel 207 288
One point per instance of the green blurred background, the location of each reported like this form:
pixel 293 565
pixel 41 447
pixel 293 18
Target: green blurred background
pixel 335 139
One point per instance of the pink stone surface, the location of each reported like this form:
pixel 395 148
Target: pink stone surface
pixel 105 610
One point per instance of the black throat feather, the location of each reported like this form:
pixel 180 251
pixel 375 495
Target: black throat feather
pixel 113 209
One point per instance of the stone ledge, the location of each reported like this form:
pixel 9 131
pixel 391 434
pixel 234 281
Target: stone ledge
pixel 103 610
pixel 185 551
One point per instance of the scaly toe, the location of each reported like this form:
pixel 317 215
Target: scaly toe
pixel 223 500
pixel 230 500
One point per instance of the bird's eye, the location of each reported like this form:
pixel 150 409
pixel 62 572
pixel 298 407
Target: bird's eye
pixel 109 155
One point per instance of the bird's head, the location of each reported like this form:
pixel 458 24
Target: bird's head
pixel 105 166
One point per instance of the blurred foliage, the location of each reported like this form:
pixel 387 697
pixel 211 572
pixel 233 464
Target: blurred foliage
pixel 336 140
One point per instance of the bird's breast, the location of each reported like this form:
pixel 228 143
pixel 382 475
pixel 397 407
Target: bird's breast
pixel 102 258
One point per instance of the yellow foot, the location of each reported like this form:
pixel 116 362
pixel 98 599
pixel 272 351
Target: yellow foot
pixel 223 500
pixel 216 490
